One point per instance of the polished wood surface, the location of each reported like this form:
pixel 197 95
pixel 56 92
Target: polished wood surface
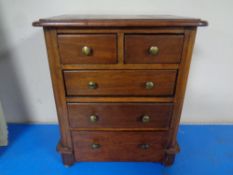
pixel 58 88
pixel 120 83
pixel 119 21
pixel 137 48
pixel 119 146
pixel 120 115
pixel 119 31
pixel 65 142
pixel 190 35
pixel 119 66
pixel 103 48
pixel 120 99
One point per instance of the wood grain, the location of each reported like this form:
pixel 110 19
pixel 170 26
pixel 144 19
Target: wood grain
pixel 119 99
pixel 119 21
pixel 65 142
pixel 120 65
pixel 151 30
pixel 137 48
pixel 103 48
pixel 119 129
pixel 120 83
pixel 120 115
pixel 119 146
pixel 181 84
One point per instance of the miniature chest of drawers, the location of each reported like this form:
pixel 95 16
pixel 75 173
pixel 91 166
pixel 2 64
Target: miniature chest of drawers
pixel 119 84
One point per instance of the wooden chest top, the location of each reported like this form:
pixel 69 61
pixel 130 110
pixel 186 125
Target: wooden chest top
pixel 119 21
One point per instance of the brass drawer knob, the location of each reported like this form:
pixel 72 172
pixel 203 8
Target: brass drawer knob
pixel 92 85
pixel 93 118
pixel 153 50
pixel 95 146
pixel 149 85
pixel 145 119
pixel 86 51
pixel 144 146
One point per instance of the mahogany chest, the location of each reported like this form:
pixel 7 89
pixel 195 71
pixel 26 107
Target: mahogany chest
pixel 119 84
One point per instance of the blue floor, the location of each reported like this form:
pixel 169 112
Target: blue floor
pixel 204 150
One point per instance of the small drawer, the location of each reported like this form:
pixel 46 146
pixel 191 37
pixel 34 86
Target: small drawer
pixel 120 115
pixel 87 48
pixel 119 146
pixel 152 49
pixel 120 83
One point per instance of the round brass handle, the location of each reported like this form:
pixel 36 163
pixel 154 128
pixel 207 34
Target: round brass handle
pixel 149 85
pixel 86 51
pixel 92 85
pixel 144 146
pixel 153 50
pixel 145 119
pixel 93 118
pixel 95 146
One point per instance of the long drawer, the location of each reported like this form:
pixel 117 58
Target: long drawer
pixel 119 146
pixel 120 115
pixel 120 82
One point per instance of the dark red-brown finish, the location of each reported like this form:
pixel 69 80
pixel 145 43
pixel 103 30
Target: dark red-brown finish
pixel 120 21
pixel 103 48
pixel 120 115
pixel 111 84
pixel 120 83
pixel 119 146
pixel 137 48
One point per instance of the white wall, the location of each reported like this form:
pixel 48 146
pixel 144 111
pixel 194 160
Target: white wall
pixel 25 88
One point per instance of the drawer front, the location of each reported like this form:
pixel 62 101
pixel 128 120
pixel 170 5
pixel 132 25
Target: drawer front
pixel 120 83
pixel 119 146
pixel 120 115
pixel 87 48
pixel 145 49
